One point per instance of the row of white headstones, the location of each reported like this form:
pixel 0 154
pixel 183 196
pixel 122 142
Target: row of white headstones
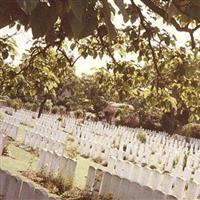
pixel 121 147
pixel 114 144
pixel 13 187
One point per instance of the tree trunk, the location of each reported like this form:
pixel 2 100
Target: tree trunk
pixel 41 107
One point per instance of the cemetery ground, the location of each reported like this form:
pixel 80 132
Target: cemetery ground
pixel 93 160
pixel 99 100
pixel 22 162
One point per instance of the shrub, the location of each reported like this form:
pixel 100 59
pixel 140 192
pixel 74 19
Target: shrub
pixel 47 107
pixel 34 107
pixel 55 185
pixel 5 151
pixel 16 106
pixel 14 103
pixel 71 148
pixel 141 136
pixel 62 110
pixel 59 119
pixel 28 105
pixel 55 110
pixel 9 102
pixel 78 114
pixel 191 130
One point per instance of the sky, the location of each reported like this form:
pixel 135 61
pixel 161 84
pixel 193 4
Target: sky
pixel 88 65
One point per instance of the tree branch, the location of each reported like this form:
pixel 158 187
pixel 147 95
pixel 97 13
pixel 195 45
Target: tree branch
pixel 65 55
pixel 76 60
pixel 171 20
pixel 106 47
pixel 164 15
pixel 147 27
pixel 70 61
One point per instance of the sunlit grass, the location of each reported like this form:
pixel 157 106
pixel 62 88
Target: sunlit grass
pixel 18 160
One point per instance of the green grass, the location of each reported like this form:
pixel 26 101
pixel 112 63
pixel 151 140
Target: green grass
pixel 18 160
pixel 20 135
pixel 82 170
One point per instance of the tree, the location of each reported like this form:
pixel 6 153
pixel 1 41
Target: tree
pixel 42 78
pixel 145 66
pixel 74 16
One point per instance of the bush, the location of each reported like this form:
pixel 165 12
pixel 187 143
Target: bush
pixel 190 130
pixel 141 136
pixel 55 110
pixel 47 108
pixel 28 106
pixel 9 102
pixel 34 107
pixel 55 185
pixel 14 103
pixel 71 148
pixel 78 114
pixel 127 117
pixel 62 110
pixel 16 106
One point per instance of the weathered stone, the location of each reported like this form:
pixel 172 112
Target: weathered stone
pixel 13 188
pixel 41 194
pixel 123 189
pixel 4 178
pixel 158 195
pixel 192 191
pixel 134 191
pixel 114 187
pixel 27 191
pixel 105 185
pixel 90 179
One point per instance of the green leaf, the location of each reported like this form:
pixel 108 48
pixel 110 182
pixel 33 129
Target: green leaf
pixel 107 17
pixel 28 5
pixel 5 54
pixel 84 54
pixel 90 22
pixel 121 6
pixel 51 85
pixel 172 101
pixel 61 63
pixel 194 12
pixel 18 27
pixel 43 19
pixel 72 46
pixel 5 18
pixel 76 25
pixel 167 40
pixel 78 7
pixel 65 23
pixel 195 2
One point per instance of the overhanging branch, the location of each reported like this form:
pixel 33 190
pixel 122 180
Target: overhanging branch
pixel 151 5
pixel 147 27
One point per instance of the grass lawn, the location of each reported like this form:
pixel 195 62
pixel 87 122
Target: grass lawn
pixel 18 160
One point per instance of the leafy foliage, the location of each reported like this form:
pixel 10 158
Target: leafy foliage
pixel 72 16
